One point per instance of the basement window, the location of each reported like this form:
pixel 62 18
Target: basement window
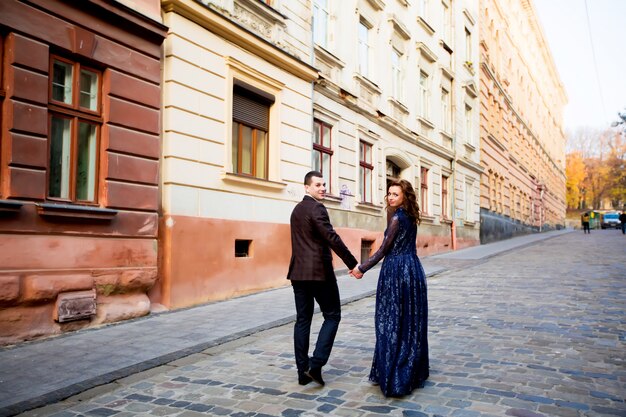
pixel 366 249
pixel 242 248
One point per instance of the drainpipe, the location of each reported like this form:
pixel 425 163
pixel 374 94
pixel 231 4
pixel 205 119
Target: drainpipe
pixel 452 197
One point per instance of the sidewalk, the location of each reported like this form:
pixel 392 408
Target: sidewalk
pixel 42 372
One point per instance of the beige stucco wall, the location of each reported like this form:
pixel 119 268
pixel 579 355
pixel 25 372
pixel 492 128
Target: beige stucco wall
pixel 522 99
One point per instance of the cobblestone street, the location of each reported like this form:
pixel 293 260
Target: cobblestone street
pixel 538 331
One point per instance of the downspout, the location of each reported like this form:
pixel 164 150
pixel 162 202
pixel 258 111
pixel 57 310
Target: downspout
pixel 452 197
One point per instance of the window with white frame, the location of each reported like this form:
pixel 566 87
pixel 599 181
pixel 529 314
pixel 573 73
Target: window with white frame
pixel 469 202
pixel 366 171
pixel 397 77
pixel 424 95
pixel 422 9
pixel 447 23
pixel 322 150
pixel 446 110
pixel 250 135
pixel 321 21
pixel 364 48
pixel 75 124
pixel 469 114
pixel 468 46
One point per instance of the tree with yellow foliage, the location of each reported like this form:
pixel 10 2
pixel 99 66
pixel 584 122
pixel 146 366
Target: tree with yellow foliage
pixel 575 171
pixel 595 169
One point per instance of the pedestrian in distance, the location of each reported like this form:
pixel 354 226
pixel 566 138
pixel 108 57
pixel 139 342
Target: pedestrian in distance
pixel 585 221
pixel 313 278
pixel 622 219
pixel 400 362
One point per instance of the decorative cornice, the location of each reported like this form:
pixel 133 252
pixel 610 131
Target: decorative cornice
pixel 399 27
pixel 470 88
pixel 435 148
pixel 469 17
pixel 377 4
pixel 471 165
pixel 426 52
pixel 240 36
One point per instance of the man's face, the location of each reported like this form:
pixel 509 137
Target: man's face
pixel 317 188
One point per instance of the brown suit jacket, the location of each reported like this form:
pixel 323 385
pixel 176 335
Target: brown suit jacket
pixel 312 238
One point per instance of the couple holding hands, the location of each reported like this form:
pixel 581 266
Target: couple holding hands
pixel 400 362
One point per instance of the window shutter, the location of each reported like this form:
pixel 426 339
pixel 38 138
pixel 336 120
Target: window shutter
pixel 251 109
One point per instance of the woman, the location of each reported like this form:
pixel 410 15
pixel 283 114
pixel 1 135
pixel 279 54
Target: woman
pixel 400 361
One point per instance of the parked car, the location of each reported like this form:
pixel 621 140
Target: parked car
pixel 609 220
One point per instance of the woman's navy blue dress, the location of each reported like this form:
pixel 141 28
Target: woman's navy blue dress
pixel 400 361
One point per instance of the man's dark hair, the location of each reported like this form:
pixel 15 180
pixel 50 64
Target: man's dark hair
pixel 311 174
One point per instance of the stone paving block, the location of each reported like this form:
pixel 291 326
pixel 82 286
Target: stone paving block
pixel 508 337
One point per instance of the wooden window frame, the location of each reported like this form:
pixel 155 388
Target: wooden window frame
pixel 320 150
pixel 75 114
pixel 424 189
pixel 253 157
pixel 444 196
pixel 368 168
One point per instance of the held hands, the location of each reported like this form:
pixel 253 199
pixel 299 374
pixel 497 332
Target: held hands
pixel 356 273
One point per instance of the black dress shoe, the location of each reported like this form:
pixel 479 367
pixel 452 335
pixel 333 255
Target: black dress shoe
pixel 304 379
pixel 316 375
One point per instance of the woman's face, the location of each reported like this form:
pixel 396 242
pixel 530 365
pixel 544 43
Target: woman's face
pixel 395 196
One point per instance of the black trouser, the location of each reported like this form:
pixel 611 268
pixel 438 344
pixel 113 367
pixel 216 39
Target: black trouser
pixel 326 294
pixel 586 227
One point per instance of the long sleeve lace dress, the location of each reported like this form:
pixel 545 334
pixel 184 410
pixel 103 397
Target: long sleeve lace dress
pixel 400 362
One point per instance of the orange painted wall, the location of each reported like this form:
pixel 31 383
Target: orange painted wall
pixel 198 263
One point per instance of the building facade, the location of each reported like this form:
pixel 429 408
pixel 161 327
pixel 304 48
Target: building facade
pixel 237 127
pixel 256 94
pixel 397 98
pixel 80 91
pixel 521 138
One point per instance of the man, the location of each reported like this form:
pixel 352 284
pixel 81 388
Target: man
pixel 622 219
pixel 313 277
pixel 585 222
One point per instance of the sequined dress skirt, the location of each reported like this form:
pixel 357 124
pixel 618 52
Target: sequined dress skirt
pixel 400 362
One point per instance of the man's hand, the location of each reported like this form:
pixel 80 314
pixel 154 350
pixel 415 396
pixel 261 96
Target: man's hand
pixel 356 273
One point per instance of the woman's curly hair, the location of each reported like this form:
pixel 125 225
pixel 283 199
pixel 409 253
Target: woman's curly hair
pixel 409 203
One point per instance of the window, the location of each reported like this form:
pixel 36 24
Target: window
pixel 250 150
pixel 75 94
pixel 469 137
pixel 447 23
pixel 422 8
pixel 445 206
pixel 322 151
pixel 424 189
pixel 321 20
pixel 366 249
pixel 242 248
pixel 469 202
pixel 393 172
pixel 446 111
pixel 366 169
pixel 364 48
pixel 423 95
pixel 396 75
pixel 468 46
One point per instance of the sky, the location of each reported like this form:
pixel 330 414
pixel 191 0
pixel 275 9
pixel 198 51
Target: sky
pixel 578 30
